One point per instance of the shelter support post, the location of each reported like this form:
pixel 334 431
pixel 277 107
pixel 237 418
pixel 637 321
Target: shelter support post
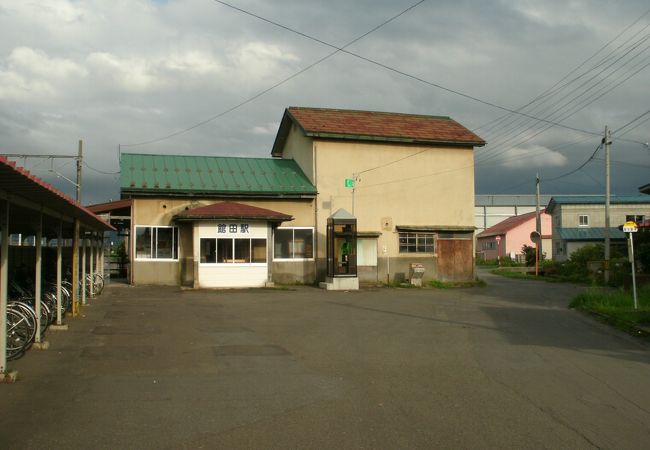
pixel 4 271
pixel 91 264
pixel 83 271
pixel 75 269
pixel 59 266
pixel 37 278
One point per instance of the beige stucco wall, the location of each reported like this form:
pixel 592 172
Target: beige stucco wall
pixel 434 187
pixel 299 148
pixel 160 211
pixel 430 187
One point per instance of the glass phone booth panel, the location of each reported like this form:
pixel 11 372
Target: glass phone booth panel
pixel 341 247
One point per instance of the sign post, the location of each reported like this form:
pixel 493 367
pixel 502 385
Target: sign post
pixel 629 228
pixel 536 238
pixel 498 239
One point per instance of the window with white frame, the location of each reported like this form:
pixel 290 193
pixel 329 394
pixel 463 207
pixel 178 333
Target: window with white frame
pixel 583 220
pixel 293 243
pixel 416 242
pixel 156 242
pixel 233 251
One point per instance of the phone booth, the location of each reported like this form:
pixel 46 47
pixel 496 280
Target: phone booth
pixel 342 251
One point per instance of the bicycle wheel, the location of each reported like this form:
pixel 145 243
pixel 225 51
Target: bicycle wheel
pixel 19 332
pixel 98 284
pixel 29 313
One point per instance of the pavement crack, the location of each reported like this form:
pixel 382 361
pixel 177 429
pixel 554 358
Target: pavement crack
pixel 546 411
pixel 613 389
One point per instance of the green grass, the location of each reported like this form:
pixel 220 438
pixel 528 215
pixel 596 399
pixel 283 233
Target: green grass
pixel 438 284
pixel 617 308
pixel 455 284
pixel 527 276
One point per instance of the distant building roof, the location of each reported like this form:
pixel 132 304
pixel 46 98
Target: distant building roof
pixel 212 175
pixel 232 211
pixel 588 234
pixel 103 208
pixel 595 200
pixel 509 199
pixel 508 224
pixel 374 126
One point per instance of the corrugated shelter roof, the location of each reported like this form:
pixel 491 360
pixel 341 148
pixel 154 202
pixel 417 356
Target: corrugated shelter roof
pixel 374 126
pixel 232 211
pixel 212 175
pixel 595 200
pixel 508 224
pixel 20 182
pixel 588 234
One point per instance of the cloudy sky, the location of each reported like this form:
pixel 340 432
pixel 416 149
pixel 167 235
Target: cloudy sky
pixel 136 71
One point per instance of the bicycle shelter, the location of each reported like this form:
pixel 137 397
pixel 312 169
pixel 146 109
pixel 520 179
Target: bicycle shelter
pixel 42 227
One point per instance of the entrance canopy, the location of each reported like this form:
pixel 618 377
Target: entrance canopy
pixel 232 211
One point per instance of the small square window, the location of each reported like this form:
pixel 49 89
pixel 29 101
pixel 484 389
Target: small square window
pixel 583 220
pixel 639 219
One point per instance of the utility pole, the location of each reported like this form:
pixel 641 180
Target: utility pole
pixel 538 222
pixel 79 162
pixel 607 142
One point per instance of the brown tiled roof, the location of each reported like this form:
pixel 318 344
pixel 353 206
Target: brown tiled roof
pixel 508 224
pixel 233 211
pixel 378 126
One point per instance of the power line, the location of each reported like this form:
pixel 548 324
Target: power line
pixel 280 83
pixel 593 155
pixel 549 91
pixel 356 55
pixel 580 107
pixel 634 128
pixel 583 103
pixel 99 171
pixel 631 122
pixel 400 72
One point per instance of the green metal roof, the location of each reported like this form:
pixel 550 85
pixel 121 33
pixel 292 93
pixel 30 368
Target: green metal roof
pixel 211 175
pixel 588 234
pixel 595 200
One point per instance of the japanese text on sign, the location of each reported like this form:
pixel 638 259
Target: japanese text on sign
pixel 232 228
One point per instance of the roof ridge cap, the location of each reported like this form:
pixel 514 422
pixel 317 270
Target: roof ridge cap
pixel 371 111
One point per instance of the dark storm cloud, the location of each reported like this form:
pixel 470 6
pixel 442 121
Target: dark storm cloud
pixel 132 71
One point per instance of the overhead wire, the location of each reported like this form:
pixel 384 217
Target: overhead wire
pixel 631 122
pixel 634 128
pixel 582 64
pixel 100 171
pixel 541 99
pixel 361 57
pixel 591 158
pixel 552 115
pixel 599 94
pixel 276 85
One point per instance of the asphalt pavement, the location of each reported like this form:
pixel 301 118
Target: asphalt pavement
pixel 501 366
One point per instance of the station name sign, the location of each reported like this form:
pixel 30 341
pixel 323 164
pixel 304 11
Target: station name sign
pixel 232 228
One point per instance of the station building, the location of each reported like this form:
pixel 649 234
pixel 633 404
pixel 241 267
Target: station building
pixel 213 221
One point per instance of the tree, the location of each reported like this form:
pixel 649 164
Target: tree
pixel 529 254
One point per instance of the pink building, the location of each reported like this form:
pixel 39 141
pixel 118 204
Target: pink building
pixel 508 237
